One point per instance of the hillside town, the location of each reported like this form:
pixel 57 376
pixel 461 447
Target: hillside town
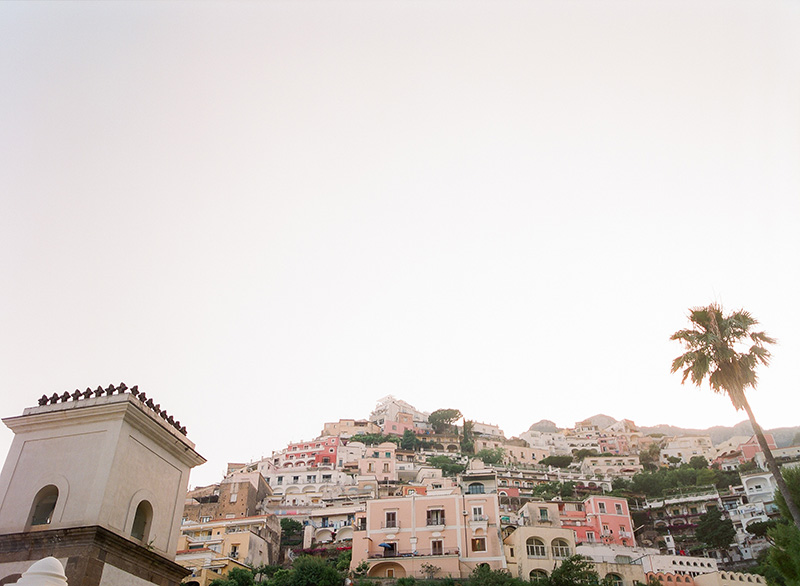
pixel 95 489
pixel 412 493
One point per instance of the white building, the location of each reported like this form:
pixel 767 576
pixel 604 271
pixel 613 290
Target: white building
pixel 684 448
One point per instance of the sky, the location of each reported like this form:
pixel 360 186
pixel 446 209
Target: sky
pixel 269 215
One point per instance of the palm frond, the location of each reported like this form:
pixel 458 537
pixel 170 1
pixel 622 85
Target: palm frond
pixel 712 351
pixel 761 338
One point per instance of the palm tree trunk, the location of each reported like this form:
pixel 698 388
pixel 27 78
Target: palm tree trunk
pixel 772 465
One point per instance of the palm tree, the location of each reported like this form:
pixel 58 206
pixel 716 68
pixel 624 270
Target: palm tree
pixel 717 349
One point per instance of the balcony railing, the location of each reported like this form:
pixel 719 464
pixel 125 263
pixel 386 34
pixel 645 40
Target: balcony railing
pixel 413 553
pixel 390 525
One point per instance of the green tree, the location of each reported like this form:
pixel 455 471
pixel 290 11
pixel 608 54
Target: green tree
pixel 236 577
pixel 483 575
pixel 442 419
pixel 791 477
pixel 715 531
pixel 579 455
pixel 556 461
pixel 707 477
pixel 309 570
pixel 291 531
pixel 468 437
pixel 574 571
pixel 784 555
pixel 494 456
pixel 372 439
pixel 650 457
pixel 410 441
pixel 717 350
pixel 698 462
pixel 567 489
pixel 760 528
pixel 446 464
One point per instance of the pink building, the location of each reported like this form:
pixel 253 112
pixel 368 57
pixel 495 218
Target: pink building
pixel 379 461
pixel 318 452
pixel 598 519
pixel 751 447
pixel 453 532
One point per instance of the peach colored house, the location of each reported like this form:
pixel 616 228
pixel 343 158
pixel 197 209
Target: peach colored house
pixel 444 528
pixel 379 461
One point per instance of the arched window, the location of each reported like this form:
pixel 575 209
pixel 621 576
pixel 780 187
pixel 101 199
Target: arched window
pixel 535 547
pixel 142 521
pixel 614 579
pixel 537 575
pixel 561 549
pixel 44 503
pixel 476 488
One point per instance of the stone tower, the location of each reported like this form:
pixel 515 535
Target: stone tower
pixel 96 479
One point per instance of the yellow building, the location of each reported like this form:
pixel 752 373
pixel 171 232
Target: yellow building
pixel 211 549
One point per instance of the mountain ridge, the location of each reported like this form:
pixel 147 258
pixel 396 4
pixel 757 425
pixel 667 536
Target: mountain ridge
pixel 718 433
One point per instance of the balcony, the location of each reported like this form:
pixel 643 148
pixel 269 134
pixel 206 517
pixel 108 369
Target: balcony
pixel 413 553
pixel 390 525
pixel 436 522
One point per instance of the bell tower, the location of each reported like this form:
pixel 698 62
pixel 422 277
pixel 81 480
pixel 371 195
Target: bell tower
pixel 96 479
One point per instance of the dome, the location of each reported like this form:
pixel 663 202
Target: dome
pixel 45 572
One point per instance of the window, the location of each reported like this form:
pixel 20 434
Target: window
pixel 543 515
pixel 234 550
pixel 311 478
pixel 601 507
pixel 535 547
pixel 435 517
pixel 478 544
pixel 44 503
pixel 618 508
pixel 391 519
pixel 388 454
pixel 590 536
pixel 326 478
pixel 537 575
pixel 475 488
pixel 386 467
pixel 280 480
pixel 142 521
pixel 477 514
pixel 295 479
pixel 560 549
pixel 437 547
pixel 614 579
pixel 205 519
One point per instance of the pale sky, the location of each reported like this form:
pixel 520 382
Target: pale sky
pixel 270 215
